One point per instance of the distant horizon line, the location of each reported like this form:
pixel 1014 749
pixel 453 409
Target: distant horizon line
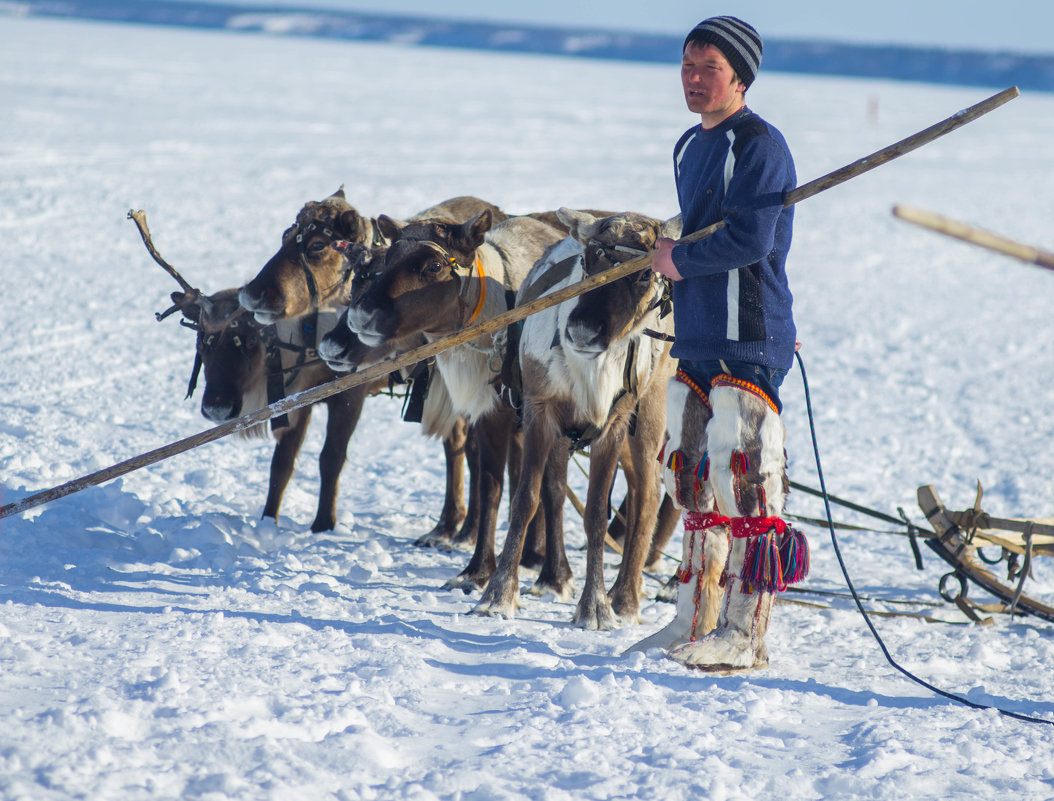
pixel 915 63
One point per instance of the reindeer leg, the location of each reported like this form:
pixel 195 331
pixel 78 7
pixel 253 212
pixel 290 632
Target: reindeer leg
pixel 283 459
pixel 494 431
pixel 533 556
pixel 466 535
pixel 642 476
pixel 594 609
pixel 502 594
pixel 555 576
pixel 343 415
pixel 453 513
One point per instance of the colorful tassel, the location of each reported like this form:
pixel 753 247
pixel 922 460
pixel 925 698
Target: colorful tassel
pixel 762 568
pixel 777 555
pixel 794 554
pixel 702 473
pixel 740 463
pixel 702 470
pixel 676 462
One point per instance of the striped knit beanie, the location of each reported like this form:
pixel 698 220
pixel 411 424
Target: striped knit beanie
pixel 737 40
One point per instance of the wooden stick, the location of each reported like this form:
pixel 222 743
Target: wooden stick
pixel 902 147
pixel 495 323
pixel 975 236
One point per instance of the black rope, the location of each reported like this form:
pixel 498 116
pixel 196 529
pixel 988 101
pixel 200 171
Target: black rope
pixel 856 598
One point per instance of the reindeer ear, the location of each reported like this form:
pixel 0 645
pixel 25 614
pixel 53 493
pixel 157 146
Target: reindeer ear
pixel 470 235
pixel 581 224
pixel 349 224
pixel 389 227
pixel 671 228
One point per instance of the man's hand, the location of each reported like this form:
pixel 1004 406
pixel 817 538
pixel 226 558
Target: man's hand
pixel 662 263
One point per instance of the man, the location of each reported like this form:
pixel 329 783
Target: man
pixel 735 339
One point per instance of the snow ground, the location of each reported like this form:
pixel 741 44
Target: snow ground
pixel 157 640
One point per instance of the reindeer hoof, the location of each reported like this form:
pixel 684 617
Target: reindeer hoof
pixel 496 608
pixel 596 616
pixel 468 581
pixel 563 591
pixel 432 540
pixel 458 583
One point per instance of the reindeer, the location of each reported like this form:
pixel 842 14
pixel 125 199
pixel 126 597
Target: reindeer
pixel 307 274
pixel 428 403
pixel 589 374
pixel 440 276
pixel 248 365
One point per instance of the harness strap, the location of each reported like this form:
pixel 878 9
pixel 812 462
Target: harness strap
pixel 419 380
pixel 482 292
pixel 276 385
pixel 193 384
pixel 309 278
pixel 651 332
pixel 550 278
pixel 511 377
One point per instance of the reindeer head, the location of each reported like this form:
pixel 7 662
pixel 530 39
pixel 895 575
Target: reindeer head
pixel 419 287
pixel 230 345
pixel 613 311
pixel 306 273
pixel 232 349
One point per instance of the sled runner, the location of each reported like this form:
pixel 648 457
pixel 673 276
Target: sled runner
pixel 960 536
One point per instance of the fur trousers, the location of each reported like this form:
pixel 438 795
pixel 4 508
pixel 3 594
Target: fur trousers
pixel 726 466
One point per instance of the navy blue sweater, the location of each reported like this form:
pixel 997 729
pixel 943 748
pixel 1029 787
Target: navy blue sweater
pixel 734 301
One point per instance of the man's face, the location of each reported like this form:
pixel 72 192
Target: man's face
pixel 711 87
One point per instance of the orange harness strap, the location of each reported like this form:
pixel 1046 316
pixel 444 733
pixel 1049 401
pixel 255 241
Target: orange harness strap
pixel 482 291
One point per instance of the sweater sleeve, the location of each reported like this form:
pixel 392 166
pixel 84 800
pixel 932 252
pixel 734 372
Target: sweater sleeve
pixel 749 209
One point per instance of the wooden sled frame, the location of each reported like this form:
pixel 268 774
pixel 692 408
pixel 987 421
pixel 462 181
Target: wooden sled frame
pixel 961 535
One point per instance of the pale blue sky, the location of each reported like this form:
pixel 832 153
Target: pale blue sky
pixel 1016 25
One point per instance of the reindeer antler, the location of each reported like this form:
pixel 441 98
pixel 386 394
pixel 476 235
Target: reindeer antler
pixel 191 295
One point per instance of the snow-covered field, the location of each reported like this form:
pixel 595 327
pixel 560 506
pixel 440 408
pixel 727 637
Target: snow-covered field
pixel 157 640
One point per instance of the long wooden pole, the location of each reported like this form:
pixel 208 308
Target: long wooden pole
pixel 975 236
pixel 497 323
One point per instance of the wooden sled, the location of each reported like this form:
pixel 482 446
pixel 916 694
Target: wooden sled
pixel 960 537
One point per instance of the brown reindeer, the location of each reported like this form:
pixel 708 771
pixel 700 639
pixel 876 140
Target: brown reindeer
pixel 248 365
pixel 240 358
pixel 307 274
pixel 589 374
pixel 440 276
pixel 428 403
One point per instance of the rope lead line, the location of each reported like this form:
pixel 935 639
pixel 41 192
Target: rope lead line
pixel 852 589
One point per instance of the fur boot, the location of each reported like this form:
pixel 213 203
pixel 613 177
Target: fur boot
pixel 705 551
pixel 745 442
pixel 739 641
